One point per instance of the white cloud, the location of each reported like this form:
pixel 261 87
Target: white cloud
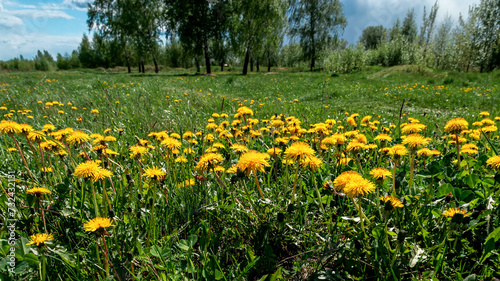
pixel 9 21
pixel 51 14
pixel 12 45
pixel 24 28
pixel 80 5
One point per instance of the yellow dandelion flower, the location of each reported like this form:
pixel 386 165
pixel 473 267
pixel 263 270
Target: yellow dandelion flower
pixel 155 173
pixel 36 136
pixel 87 169
pixel 38 191
pixel 380 173
pixel 25 129
pixel 414 141
pixel 487 122
pixel 101 174
pixel 383 137
pixel 78 137
pixel 186 183
pixel 311 162
pixel 456 125
pixel 239 148
pixel 412 128
pixel 391 202
pixel 351 121
pixel 345 161
pixel 469 151
pixel 281 141
pixel 188 135
pixel 171 143
pixel 137 151
pixel 39 239
pixel 398 150
pixel 358 187
pixel 298 150
pixel 274 151
pixel 355 145
pixel 181 159
pixel 244 111
pixel 209 161
pixel 489 129
pixel 10 127
pixel 253 161
pixel 424 152
pixel 451 212
pixel 98 223
pixel 341 181
pixel 494 162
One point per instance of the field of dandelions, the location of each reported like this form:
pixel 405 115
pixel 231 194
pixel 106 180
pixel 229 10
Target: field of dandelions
pixel 285 176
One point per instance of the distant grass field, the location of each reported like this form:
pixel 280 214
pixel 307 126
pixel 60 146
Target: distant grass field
pixel 232 177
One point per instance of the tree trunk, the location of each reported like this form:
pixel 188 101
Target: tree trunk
pixel 128 63
pixel 142 64
pixel 247 58
pixel 156 64
pixel 222 66
pixel 251 64
pixel 268 62
pixel 258 69
pixel 139 63
pixel 197 62
pixel 207 56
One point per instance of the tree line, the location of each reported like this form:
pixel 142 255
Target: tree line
pixel 254 33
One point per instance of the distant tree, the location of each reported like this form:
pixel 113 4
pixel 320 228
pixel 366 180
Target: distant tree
pixel 62 62
pixel 316 22
pixel 253 20
pixel 373 36
pixel 85 53
pixel 395 31
pixel 43 61
pixel 74 61
pixel 129 22
pixel 442 44
pixel 198 22
pixel 488 14
pixel 466 38
pixel 409 27
pixel 427 28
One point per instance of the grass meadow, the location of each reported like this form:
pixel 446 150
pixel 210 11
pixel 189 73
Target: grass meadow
pixel 383 174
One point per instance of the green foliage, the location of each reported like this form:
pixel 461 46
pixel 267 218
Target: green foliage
pixel 373 36
pixel 345 60
pixel 317 23
pixel 223 230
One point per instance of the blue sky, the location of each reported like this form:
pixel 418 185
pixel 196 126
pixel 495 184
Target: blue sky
pixel 58 25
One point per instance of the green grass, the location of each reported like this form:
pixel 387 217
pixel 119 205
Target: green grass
pixel 219 228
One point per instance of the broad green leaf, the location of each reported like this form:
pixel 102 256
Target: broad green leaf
pixel 472 180
pixel 218 275
pixel 444 189
pixel 31 259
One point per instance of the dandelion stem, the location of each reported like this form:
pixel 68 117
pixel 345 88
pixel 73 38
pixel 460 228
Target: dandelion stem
pixel 394 179
pixel 412 166
pixel 320 199
pixel 96 210
pixel 258 185
pixel 22 156
pixel 295 182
